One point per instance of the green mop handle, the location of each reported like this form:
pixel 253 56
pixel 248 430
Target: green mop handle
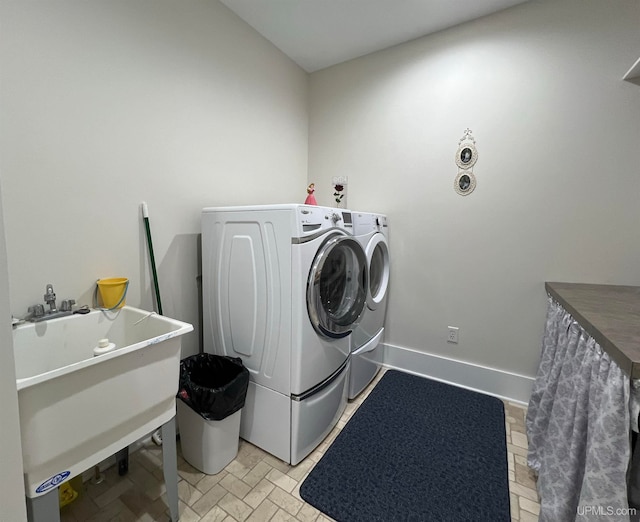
pixel 145 216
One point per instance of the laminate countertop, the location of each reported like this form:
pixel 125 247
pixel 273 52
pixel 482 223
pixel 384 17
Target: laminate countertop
pixel 610 314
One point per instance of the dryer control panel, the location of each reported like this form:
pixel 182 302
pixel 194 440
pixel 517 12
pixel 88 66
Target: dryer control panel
pixel 380 222
pixel 367 223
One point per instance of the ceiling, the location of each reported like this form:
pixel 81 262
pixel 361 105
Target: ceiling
pixel 320 33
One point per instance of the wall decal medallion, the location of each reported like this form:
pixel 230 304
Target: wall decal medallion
pixel 465 183
pixel 466 158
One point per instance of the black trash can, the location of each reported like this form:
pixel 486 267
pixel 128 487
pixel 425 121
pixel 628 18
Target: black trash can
pixel 211 396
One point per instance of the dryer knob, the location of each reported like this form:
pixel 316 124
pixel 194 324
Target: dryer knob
pixel 335 217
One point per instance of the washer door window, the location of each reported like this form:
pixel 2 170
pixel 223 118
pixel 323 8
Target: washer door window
pixel 378 255
pixel 336 289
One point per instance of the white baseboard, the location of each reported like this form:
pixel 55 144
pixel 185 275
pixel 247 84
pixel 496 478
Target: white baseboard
pixel 490 381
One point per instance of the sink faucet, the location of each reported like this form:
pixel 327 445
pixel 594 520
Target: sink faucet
pixel 38 313
pixel 50 298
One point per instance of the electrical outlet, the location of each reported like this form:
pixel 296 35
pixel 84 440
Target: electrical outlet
pixel 453 334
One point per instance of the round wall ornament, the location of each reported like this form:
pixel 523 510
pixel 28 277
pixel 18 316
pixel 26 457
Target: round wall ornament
pixel 464 183
pixel 466 158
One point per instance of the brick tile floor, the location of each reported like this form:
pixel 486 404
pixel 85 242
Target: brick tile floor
pixel 257 487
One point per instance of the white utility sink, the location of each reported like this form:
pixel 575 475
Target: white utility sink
pixel 77 409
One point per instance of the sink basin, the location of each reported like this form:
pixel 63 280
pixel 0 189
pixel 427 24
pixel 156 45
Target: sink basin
pixel 77 409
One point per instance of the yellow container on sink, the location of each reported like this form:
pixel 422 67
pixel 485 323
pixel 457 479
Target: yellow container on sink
pixel 113 292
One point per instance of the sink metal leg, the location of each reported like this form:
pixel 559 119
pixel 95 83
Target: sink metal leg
pixel 170 466
pixel 122 459
pixel 45 508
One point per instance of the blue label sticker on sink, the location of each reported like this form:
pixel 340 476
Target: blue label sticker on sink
pixel 52 482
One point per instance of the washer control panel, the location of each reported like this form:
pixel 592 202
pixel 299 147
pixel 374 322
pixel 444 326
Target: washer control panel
pixel 312 219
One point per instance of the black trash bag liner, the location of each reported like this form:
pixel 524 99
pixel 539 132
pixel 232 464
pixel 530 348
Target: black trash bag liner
pixel 215 386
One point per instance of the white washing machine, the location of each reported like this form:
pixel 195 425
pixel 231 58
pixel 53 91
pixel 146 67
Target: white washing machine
pixel 283 286
pixel 372 231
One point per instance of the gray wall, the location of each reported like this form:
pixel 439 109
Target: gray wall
pixel 109 104
pixel 12 504
pixel 557 197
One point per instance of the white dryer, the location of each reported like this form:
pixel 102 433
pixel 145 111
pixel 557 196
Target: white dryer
pixel 372 231
pixel 283 286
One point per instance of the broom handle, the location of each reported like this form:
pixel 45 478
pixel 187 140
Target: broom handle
pixel 145 216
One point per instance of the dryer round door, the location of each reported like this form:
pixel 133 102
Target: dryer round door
pixel 337 286
pixel 378 258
